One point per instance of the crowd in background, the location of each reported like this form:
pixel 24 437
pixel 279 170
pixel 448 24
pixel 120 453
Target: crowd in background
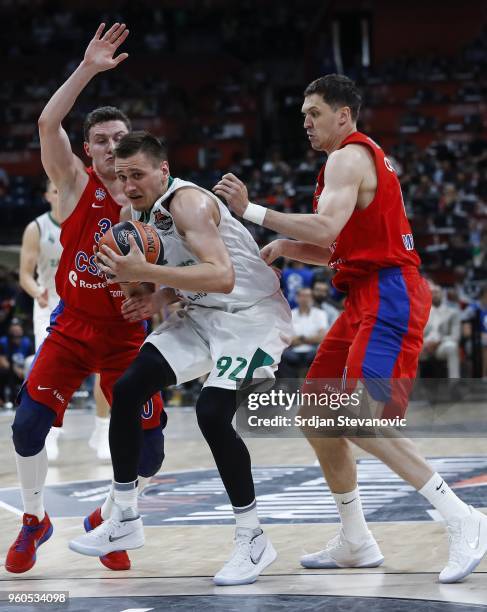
pixel 444 183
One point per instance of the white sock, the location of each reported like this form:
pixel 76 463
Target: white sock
pixel 246 516
pixel 107 506
pixel 352 516
pixel 32 473
pixel 439 495
pixel 125 498
pixel 101 423
pixel 143 482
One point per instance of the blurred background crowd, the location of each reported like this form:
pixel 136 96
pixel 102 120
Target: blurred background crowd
pixel 222 83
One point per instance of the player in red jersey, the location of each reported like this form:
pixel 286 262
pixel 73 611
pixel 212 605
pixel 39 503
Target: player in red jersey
pixel 87 331
pixel 361 229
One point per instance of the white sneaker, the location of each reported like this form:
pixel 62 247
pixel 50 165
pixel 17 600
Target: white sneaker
pixel 113 534
pixel 51 443
pixel 99 439
pixel 340 552
pixel 468 544
pixel 253 552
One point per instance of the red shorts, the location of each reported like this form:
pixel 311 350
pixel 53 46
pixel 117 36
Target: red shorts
pixel 76 348
pixel 378 338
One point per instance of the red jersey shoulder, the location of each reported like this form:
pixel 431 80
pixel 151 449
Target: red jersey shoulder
pixel 79 281
pixel 354 252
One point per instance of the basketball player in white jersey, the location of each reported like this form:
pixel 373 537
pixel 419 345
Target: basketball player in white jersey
pixel 235 326
pixel 39 257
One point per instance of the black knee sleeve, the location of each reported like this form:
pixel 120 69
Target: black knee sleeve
pixel 31 425
pixel 215 409
pixel 147 375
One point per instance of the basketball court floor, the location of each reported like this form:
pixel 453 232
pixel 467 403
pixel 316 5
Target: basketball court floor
pixel 189 530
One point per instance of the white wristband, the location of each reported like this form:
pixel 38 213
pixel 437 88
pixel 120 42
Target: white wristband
pixel 255 213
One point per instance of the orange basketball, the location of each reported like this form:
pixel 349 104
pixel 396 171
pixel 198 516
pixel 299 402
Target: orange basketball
pixel 146 237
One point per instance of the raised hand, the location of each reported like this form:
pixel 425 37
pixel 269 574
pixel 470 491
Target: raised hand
pixel 100 52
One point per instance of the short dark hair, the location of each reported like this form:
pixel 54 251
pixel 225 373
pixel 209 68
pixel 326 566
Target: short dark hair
pixel 102 114
pixel 337 90
pixel 143 142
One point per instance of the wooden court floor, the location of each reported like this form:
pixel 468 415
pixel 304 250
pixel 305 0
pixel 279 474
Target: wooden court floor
pixel 189 530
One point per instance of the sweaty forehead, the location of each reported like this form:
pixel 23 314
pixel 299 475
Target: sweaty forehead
pixel 108 128
pixel 138 161
pixel 315 101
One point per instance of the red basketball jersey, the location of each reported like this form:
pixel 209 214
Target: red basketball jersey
pixel 379 236
pixel 79 282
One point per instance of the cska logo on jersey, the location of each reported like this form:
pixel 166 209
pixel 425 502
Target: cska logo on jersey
pixel 100 194
pixel 408 241
pixel 162 221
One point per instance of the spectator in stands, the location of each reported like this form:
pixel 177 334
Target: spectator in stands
pixel 310 325
pixel 442 334
pixel 4 181
pixel 278 199
pixel 8 294
pixel 482 307
pixel 295 276
pixel 14 348
pixel 321 297
pixel 479 309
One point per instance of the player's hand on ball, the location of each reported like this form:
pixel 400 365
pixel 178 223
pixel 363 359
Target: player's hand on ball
pixel 272 251
pixel 122 268
pixel 99 54
pixel 234 192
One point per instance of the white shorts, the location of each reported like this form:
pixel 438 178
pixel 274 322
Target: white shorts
pixel 229 346
pixel 41 323
pixel 41 319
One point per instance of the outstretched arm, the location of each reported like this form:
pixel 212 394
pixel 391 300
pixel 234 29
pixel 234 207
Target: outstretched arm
pixel 343 176
pixel 61 165
pixel 298 251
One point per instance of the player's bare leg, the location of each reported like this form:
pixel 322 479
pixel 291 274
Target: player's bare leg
pixel 99 438
pixel 467 528
pixel 354 545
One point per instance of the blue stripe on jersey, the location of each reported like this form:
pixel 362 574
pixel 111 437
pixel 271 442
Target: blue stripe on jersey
pixel 387 335
pixel 55 314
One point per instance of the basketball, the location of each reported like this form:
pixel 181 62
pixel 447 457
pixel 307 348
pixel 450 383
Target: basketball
pixel 146 237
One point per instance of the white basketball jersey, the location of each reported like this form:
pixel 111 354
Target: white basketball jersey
pixel 50 250
pixel 254 279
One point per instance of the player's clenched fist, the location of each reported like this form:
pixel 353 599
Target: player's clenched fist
pixel 272 251
pixel 234 192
